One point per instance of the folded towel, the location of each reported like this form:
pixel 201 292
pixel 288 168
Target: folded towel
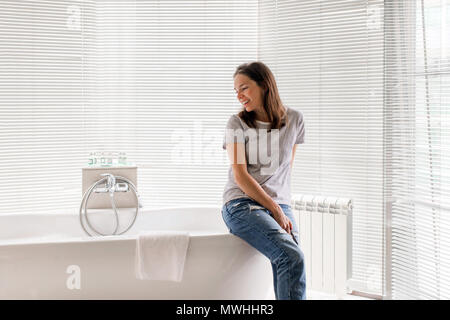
pixel 160 255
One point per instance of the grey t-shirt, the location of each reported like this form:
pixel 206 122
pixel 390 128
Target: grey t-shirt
pixel 270 169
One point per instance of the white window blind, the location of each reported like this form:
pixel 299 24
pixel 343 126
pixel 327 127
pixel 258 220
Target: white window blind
pixel 166 83
pixel 327 57
pixel 43 47
pixel 417 148
pixel 150 78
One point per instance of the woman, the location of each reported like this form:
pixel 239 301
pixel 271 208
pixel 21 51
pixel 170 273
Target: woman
pixel 256 200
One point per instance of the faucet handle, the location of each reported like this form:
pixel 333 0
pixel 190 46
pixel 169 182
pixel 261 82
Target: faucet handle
pixel 110 182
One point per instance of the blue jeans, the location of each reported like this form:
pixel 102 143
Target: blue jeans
pixel 255 224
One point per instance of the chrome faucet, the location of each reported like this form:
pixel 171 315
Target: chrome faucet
pixel 111 185
pixel 110 182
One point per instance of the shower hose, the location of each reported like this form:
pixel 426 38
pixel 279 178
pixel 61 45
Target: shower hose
pixel 110 187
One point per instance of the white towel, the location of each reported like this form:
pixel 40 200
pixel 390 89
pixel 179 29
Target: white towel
pixel 160 255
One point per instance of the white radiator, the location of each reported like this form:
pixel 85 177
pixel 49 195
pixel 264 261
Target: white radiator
pixel 325 226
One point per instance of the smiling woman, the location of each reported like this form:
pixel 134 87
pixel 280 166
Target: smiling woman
pixel 257 91
pixel 250 95
pixel 256 202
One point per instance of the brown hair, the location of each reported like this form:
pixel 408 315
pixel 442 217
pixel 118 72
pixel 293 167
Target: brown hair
pixel 261 74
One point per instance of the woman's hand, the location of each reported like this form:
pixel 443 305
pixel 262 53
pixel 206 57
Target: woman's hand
pixel 282 219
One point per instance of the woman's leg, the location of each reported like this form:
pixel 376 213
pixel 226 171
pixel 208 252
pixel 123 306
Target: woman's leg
pixel 254 224
pixel 288 212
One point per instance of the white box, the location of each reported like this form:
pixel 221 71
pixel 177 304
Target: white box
pixel 90 175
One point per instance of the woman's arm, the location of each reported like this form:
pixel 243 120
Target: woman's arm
pixel 293 155
pixel 236 153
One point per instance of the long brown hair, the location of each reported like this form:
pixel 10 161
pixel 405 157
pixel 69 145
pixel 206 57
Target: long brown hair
pixel 261 74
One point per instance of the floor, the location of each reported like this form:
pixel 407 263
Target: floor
pixel 316 295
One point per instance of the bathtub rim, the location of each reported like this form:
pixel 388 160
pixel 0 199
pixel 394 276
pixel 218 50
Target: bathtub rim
pixel 69 212
pixel 112 238
pixel 101 239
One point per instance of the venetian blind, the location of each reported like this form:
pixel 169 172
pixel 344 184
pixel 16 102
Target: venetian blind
pixel 327 56
pixel 166 81
pixel 44 62
pixel 149 78
pixel 417 148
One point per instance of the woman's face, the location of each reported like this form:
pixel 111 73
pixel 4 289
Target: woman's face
pixel 249 94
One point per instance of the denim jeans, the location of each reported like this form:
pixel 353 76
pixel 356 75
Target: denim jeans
pixel 255 224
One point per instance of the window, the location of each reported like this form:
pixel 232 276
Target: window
pixel 149 78
pixel 327 57
pixel 417 140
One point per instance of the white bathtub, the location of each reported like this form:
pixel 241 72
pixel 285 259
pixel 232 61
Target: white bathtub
pixel 37 252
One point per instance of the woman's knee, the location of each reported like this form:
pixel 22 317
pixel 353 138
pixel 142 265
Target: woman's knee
pixel 297 257
pixel 291 255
